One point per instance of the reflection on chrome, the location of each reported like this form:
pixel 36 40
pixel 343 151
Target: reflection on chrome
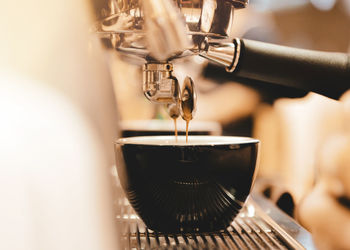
pixel 153 33
pixel 123 22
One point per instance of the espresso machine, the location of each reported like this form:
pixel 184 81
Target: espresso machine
pixel 153 34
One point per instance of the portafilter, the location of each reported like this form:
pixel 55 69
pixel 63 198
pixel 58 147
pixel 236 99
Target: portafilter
pixel 154 32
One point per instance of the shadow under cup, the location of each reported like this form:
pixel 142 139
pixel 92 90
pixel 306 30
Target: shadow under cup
pixel 187 187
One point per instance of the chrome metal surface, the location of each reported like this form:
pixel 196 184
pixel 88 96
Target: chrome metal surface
pixel 253 228
pixel 289 228
pixel 237 44
pixel 159 85
pixel 225 54
pixel 248 231
pixel 222 54
pixel 165 29
pixel 148 31
pixel 188 99
pixel 123 22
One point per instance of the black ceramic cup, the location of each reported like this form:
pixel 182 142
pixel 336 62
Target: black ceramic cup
pixel 187 187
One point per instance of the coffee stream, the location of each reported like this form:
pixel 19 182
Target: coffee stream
pixel 175 129
pixel 174 113
pixel 186 105
pixel 187 123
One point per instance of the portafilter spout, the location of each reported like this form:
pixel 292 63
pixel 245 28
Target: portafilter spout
pixel 159 85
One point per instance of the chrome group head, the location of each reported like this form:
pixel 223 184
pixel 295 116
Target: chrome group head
pixel 154 32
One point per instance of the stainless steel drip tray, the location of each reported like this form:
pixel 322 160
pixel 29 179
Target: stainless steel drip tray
pixel 260 225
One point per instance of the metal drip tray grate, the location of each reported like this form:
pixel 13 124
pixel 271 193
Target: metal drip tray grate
pixel 252 229
pixel 244 233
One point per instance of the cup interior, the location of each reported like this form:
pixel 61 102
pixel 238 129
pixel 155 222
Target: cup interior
pixel 192 140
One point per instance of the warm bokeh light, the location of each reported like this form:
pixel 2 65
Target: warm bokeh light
pixel 57 123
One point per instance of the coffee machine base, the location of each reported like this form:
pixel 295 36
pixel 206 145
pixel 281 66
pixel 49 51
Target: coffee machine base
pixel 260 225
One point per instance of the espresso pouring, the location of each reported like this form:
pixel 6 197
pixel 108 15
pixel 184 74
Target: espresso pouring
pixel 185 104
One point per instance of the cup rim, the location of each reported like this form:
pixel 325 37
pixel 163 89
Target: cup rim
pixel 193 140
